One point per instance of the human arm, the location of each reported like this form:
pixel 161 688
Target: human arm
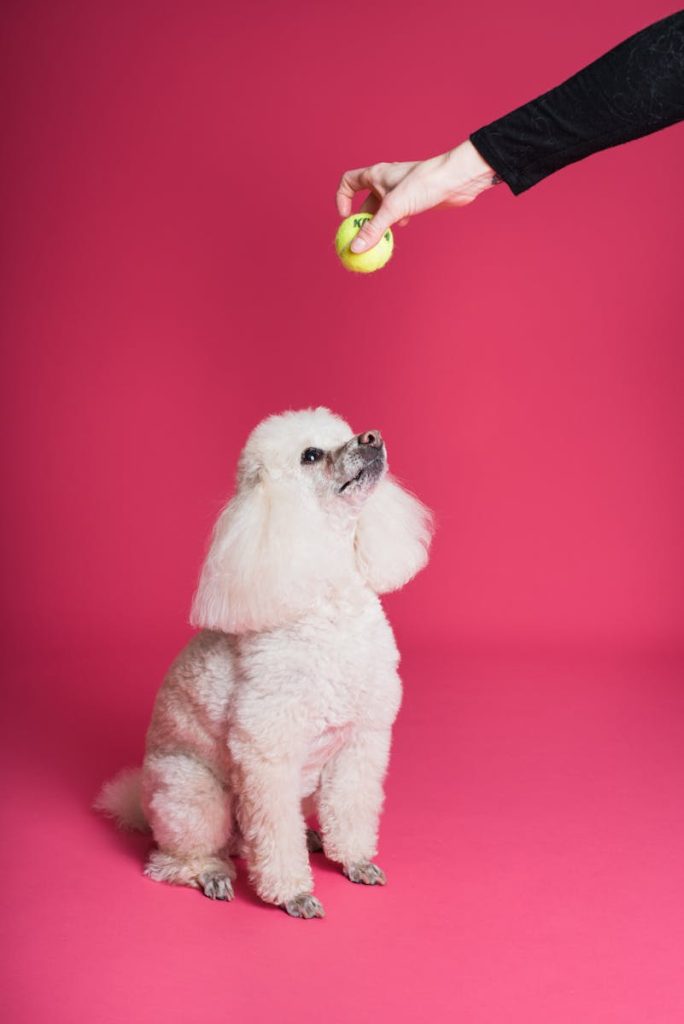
pixel 634 89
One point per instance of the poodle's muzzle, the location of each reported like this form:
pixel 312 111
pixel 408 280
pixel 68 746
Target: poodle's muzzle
pixel 359 464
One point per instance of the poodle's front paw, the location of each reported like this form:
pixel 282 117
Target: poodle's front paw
pixel 365 872
pixel 304 905
pixel 216 885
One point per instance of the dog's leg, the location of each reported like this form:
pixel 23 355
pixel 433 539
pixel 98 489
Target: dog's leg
pixel 314 843
pixel 274 830
pixel 350 802
pixel 189 812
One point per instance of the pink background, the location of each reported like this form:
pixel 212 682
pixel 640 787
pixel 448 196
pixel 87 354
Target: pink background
pixel 168 279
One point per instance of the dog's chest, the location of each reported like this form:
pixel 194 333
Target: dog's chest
pixel 319 752
pixel 315 680
pixel 334 650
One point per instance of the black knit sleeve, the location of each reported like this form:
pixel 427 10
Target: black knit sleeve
pixel 633 90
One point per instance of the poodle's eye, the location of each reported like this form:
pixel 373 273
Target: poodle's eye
pixel 312 455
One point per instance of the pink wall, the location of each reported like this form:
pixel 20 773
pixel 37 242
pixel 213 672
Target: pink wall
pixel 168 192
pixel 167 187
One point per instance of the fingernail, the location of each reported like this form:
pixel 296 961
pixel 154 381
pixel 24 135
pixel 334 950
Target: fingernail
pixel 358 244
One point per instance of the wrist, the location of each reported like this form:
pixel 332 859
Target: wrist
pixel 468 172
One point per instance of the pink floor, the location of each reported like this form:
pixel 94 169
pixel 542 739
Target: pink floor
pixel 533 839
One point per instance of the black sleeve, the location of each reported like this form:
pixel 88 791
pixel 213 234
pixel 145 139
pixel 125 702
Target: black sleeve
pixel 633 90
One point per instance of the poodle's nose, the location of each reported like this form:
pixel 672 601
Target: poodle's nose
pixel 371 439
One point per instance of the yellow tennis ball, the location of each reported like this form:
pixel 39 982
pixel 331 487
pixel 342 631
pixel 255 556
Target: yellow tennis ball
pixel 371 259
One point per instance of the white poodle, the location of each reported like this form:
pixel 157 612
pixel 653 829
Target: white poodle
pixel 284 701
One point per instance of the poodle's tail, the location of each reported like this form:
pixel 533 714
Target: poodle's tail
pixel 120 799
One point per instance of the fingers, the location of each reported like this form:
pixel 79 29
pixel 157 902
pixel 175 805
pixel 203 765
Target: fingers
pixel 381 181
pixel 373 230
pixel 378 179
pixel 351 183
pixel 345 194
pixel 370 204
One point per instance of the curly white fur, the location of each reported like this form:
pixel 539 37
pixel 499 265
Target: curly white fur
pixel 286 697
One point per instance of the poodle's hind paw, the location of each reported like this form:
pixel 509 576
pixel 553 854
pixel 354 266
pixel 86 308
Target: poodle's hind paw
pixel 304 905
pixel 365 873
pixel 314 843
pixel 216 885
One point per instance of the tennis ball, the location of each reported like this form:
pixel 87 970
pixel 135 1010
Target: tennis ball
pixel 371 259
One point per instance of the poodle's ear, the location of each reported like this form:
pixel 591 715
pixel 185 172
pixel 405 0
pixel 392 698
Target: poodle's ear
pixel 260 570
pixel 392 537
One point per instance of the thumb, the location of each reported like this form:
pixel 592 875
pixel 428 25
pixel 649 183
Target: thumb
pixel 373 230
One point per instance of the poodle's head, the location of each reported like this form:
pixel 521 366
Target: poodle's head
pixel 315 508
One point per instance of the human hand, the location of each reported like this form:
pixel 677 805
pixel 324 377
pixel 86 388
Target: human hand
pixel 399 190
